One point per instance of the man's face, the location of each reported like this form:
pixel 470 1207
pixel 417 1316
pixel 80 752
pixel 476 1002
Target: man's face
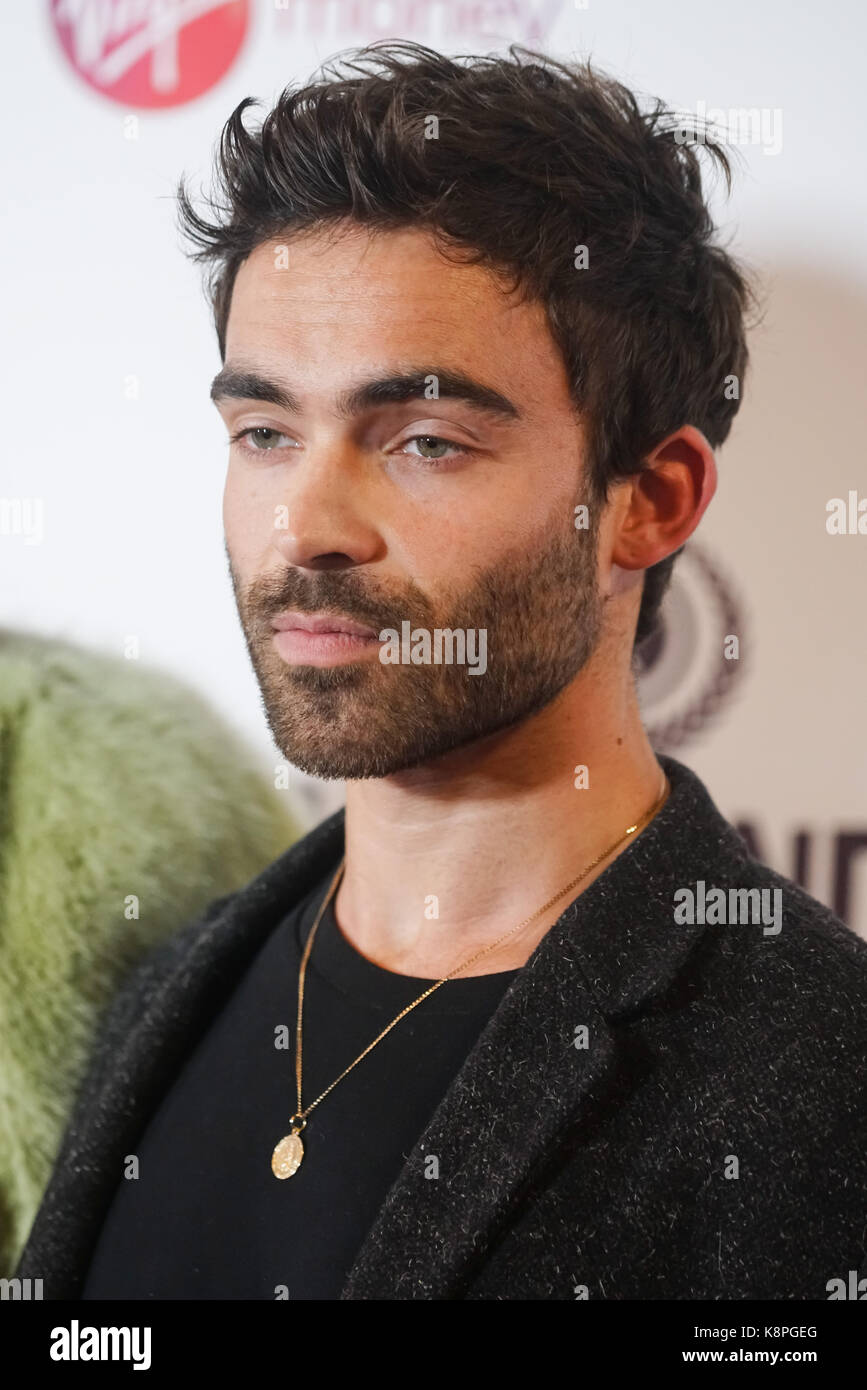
pixel 417 501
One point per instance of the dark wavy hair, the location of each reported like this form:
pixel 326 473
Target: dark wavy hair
pixel 533 157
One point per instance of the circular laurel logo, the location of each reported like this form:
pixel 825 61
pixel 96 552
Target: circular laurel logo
pixel 683 675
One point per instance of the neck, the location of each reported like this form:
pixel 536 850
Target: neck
pixel 486 835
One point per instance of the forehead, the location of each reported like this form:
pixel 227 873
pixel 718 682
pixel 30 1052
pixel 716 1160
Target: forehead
pixel 363 294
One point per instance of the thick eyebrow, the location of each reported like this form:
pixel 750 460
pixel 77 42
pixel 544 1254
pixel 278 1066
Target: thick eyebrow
pixel 235 383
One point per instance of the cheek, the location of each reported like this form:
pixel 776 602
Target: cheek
pixel 444 547
pixel 248 519
pixel 524 510
pixel 228 504
pixel 233 511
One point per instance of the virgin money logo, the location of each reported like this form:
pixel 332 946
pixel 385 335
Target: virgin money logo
pixel 151 53
pixel 440 23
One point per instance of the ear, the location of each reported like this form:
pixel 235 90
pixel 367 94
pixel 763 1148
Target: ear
pixel 665 501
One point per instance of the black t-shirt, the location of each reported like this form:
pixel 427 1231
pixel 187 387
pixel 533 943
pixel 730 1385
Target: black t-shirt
pixel 206 1217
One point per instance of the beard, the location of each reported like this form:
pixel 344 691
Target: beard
pixel 543 616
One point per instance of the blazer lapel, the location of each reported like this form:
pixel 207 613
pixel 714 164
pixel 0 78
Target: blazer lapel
pixel 531 1071
pixel 521 1082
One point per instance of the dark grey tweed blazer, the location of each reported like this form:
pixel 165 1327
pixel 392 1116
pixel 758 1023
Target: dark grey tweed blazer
pixel 605 1171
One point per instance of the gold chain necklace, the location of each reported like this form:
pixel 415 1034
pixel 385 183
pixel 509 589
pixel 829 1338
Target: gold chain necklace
pixel 288 1153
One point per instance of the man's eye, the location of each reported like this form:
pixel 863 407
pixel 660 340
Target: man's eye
pixel 434 443
pixel 262 439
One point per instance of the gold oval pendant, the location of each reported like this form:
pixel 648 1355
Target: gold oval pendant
pixel 287 1156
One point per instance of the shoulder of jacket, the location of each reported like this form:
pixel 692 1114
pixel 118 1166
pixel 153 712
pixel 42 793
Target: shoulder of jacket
pixel 781 1014
pixel 805 936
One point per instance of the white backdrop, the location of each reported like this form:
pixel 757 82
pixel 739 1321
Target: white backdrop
pixel 108 351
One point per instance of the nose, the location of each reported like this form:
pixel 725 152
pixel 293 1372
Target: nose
pixel 321 521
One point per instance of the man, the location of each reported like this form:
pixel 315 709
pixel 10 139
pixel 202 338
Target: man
pixel 526 1020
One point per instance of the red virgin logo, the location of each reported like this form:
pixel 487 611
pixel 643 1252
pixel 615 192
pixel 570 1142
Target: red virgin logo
pixel 150 53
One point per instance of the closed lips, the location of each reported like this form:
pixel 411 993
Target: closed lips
pixel 289 622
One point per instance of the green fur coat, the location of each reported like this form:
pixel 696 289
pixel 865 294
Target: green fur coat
pixel 126 805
